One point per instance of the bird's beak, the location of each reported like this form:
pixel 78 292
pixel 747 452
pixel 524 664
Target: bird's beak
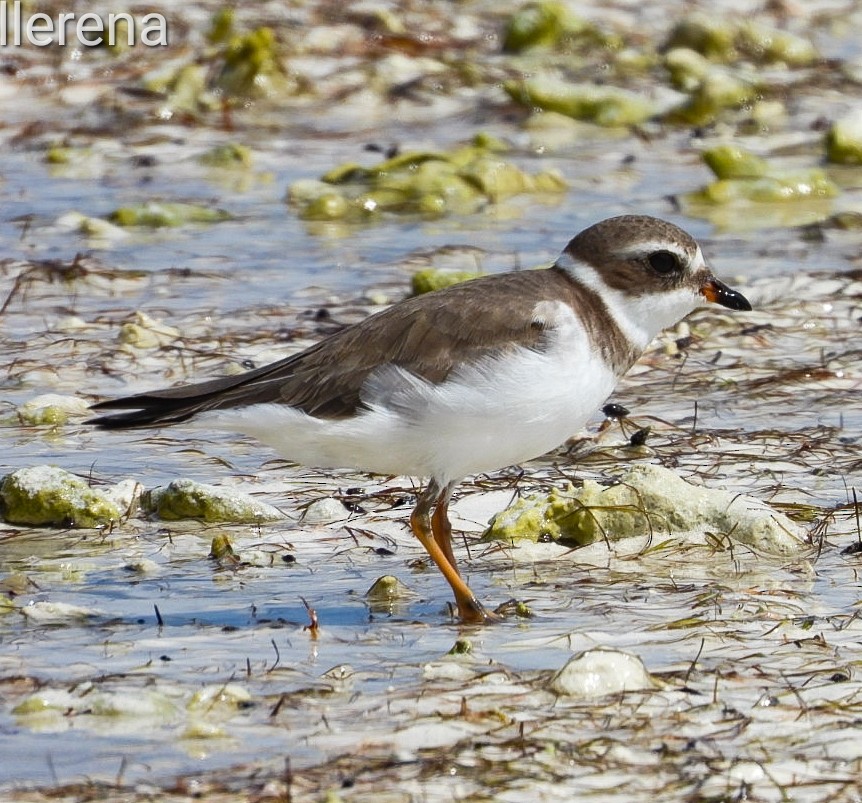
pixel 714 290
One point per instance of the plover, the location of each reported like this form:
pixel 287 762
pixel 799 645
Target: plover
pixel 464 380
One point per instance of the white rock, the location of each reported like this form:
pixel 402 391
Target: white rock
pixel 51 405
pixel 56 612
pixel 598 672
pixel 325 511
pixel 124 494
pixel 447 670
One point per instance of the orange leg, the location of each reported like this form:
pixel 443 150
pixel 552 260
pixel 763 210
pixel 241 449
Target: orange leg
pixel 470 610
pixel 442 528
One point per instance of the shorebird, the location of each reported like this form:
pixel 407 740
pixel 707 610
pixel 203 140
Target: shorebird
pixel 464 380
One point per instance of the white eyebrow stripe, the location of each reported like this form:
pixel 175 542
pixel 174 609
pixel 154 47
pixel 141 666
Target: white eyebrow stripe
pixel 651 246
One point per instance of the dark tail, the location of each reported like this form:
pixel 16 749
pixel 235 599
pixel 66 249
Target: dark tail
pixel 154 409
pixel 152 412
pixel 172 405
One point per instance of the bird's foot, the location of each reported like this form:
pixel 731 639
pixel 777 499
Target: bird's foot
pixel 473 612
pixel 514 608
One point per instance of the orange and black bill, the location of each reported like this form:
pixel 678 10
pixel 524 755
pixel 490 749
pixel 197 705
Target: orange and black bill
pixel 720 293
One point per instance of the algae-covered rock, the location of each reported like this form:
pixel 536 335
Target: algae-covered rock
pixel 241 65
pixel 45 612
pixel 844 140
pixel 156 214
pixel 387 595
pixel 711 88
pixel 329 205
pixel 305 190
pixel 742 176
pixel 185 89
pixel 713 36
pixel 552 131
pixel 58 155
pixel 490 142
pixel 497 179
pixel 752 193
pixel 51 409
pixel 544 24
pixel 7 605
pixel 251 65
pixel 145 332
pixel 225 696
pixel 142 704
pixel 649 499
pixel 717 91
pixel 430 279
pixel 221 548
pixel 229 155
pixel 187 499
pixel 462 646
pixel 720 37
pixel 419 182
pixel 387 589
pixel 42 495
pixel 595 103
pixel 731 161
pixel 599 672
pixel 94 227
pixel 764 44
pixel 48 699
pixel 799 185
pixel 221 26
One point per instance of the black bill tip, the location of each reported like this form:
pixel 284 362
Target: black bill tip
pixel 720 293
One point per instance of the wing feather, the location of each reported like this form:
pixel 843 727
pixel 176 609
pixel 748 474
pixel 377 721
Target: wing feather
pixel 427 336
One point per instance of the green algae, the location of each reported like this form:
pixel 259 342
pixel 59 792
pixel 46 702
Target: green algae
pixel 711 88
pixel 744 179
pixel 723 39
pixel 731 161
pixel 800 185
pixel 543 25
pixel 844 140
pixel 46 495
pixel 419 182
pixel 387 589
pixel 50 409
pixel 221 26
pixel 648 500
pixel 221 548
pixel 430 279
pixel 462 646
pixel 250 64
pixel 603 105
pixel 229 155
pixel 143 331
pixel 170 214
pixel 187 499
pixel 185 89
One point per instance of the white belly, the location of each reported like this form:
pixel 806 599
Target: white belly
pixel 503 411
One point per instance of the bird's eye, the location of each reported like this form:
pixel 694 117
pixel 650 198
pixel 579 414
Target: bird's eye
pixel 663 262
